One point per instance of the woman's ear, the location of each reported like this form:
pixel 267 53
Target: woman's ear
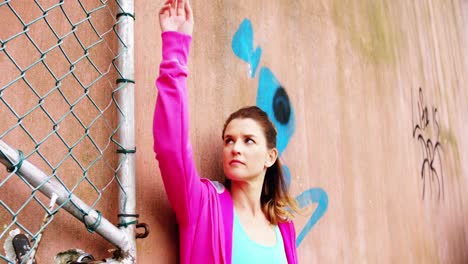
pixel 271 157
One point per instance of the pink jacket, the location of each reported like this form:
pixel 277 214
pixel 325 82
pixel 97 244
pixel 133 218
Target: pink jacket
pixel 204 209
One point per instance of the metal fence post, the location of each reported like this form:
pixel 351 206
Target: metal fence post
pixel 126 102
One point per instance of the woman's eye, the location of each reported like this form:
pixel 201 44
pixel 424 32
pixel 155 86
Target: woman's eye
pixel 249 141
pixel 228 141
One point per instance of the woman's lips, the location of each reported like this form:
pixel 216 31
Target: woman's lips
pixel 234 161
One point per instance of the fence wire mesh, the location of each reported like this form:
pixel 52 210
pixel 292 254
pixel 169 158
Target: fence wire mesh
pixel 59 80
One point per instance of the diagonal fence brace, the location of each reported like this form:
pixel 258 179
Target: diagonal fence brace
pixel 71 203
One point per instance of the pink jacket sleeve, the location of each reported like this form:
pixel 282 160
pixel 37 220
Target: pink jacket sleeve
pixel 171 130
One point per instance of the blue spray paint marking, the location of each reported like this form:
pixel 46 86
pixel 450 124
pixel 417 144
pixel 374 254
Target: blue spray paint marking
pixel 287 176
pixel 314 195
pixel 273 99
pixel 242 45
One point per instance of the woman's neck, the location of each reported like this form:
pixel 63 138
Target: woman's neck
pixel 246 196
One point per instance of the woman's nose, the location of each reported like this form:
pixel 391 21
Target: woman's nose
pixel 236 148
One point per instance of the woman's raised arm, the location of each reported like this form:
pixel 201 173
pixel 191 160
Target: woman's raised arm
pixel 171 119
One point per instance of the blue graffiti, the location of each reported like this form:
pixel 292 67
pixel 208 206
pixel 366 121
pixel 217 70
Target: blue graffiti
pixel 307 198
pixel 287 175
pixel 273 99
pixel 242 45
pixel 313 195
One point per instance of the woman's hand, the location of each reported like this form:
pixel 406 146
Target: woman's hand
pixel 176 15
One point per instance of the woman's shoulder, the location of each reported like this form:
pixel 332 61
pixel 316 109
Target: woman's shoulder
pixel 219 187
pixel 222 195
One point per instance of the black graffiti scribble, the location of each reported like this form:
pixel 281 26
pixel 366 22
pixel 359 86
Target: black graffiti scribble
pixel 431 168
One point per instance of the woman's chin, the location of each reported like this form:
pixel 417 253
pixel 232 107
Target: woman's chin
pixel 234 176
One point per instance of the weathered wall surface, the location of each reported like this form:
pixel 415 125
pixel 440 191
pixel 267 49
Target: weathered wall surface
pixel 370 99
pixel 385 179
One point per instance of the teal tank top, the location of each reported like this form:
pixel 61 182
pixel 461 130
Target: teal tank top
pixel 246 251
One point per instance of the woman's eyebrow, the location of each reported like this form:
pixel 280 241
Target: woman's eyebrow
pixel 244 135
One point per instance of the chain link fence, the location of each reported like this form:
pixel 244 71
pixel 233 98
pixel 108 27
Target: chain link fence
pixel 62 78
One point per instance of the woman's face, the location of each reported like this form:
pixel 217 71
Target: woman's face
pixel 245 152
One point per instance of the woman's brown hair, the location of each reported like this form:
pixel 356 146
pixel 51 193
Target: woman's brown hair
pixel 275 200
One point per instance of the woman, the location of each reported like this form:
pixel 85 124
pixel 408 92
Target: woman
pixel 248 222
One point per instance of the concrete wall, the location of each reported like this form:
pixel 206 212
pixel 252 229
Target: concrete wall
pixel 353 71
pixel 374 139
